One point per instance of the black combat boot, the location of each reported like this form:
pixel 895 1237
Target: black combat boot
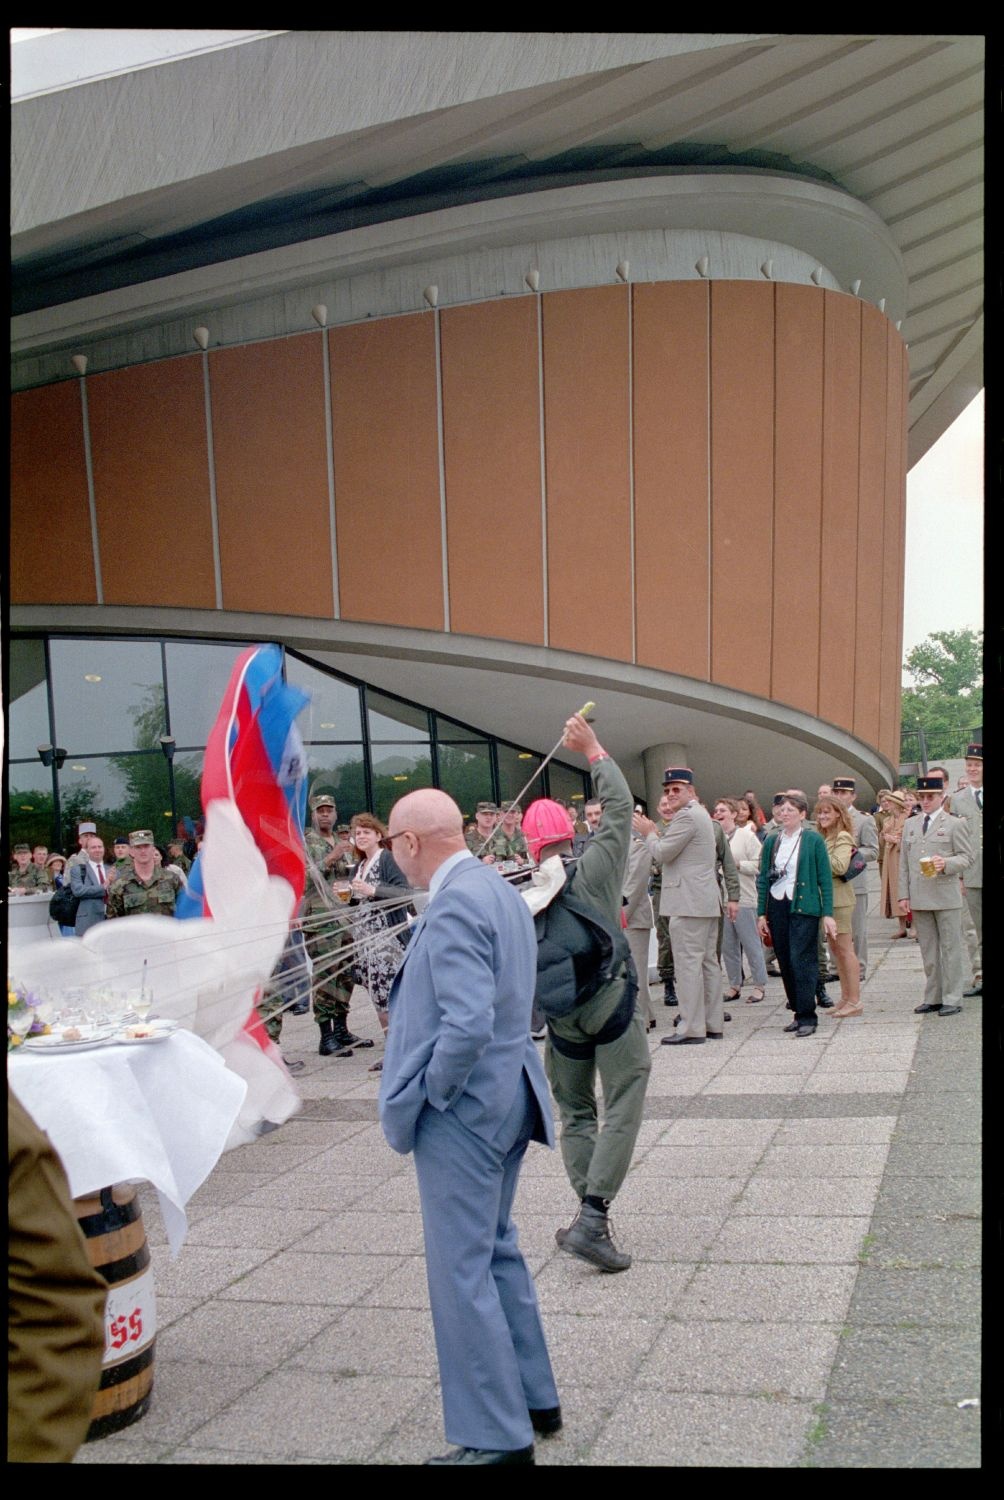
pixel 345 1038
pixel 590 1239
pixel 331 1043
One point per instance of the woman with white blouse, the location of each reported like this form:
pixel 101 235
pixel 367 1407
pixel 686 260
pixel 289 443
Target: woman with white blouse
pixel 741 936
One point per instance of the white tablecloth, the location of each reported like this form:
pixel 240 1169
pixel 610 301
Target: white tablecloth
pixel 158 1112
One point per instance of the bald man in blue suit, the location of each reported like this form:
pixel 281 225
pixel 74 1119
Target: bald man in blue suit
pixel 463 1088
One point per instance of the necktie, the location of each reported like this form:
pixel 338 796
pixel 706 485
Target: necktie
pixel 927 819
pixel 979 799
pixel 101 874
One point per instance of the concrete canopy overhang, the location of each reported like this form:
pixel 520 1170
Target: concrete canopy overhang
pixel 523 694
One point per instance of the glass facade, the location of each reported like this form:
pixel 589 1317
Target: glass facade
pixel 108 703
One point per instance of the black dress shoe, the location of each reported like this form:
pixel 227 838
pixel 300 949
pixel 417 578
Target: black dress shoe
pixel 670 996
pixel 792 1026
pixel 923 1010
pixel 823 1001
pixel 681 1041
pixel 546 1419
pixel 804 1030
pixel 716 1036
pixel 977 989
pixel 485 1456
pixel 725 1017
pixel 950 1010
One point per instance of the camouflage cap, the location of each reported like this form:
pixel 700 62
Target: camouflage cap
pixel 323 799
pixel 486 807
pixel 22 848
pixel 140 836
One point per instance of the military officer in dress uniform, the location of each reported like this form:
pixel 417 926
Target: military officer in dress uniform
pixel 328 929
pixel 148 889
pixel 968 804
pixel 936 849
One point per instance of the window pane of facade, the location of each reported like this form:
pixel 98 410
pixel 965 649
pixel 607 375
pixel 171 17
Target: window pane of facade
pixel 28 714
pixel 197 676
pixel 119 793
pixel 29 805
pixel 515 769
pixel 339 769
pixel 390 720
pixel 465 771
pixel 188 789
pixel 333 711
pixel 448 730
pixel 107 695
pixel 398 769
pixel 567 783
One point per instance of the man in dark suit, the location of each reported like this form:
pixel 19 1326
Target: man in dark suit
pixel 463 1089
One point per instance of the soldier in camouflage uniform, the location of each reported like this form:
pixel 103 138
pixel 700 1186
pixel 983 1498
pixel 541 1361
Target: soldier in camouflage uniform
pixel 508 842
pixel 667 969
pixel 148 890
pixel 123 859
pixel 486 819
pixel 22 876
pixel 329 930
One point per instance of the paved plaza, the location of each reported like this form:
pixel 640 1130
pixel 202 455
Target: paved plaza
pixel 805 1221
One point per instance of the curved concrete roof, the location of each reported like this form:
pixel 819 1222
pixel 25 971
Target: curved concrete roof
pixel 289 137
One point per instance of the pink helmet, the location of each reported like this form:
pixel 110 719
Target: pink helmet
pixel 546 822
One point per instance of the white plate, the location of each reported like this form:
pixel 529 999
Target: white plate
pixel 93 1036
pixel 162 1030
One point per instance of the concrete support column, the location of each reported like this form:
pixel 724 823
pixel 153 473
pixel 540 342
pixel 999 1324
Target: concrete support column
pixel 656 758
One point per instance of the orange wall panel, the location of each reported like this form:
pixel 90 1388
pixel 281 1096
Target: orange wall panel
pixel 51 558
pixel 798 495
pixel 672 515
pixel 151 484
pixel 890 698
pixel 871 504
pixel 491 441
pixel 271 476
pixel 841 442
pixel 742 482
pixel 586 425
pixel 386 444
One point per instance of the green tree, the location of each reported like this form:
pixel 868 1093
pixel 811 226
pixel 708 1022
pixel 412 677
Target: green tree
pixel 946 700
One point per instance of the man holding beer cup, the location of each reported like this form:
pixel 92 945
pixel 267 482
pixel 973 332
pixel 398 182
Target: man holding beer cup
pixel 936 850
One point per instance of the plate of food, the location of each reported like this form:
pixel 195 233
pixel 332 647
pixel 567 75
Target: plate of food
pixel 76 1038
pixel 146 1031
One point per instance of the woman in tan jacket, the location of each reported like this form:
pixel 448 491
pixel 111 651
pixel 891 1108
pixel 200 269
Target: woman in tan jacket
pixel 891 837
pixel 833 822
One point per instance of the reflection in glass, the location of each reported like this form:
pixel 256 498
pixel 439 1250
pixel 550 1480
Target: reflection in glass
pixel 391 720
pixel 515 771
pixel 465 771
pixel 566 783
pixel 28 716
pixel 197 676
pixel 107 695
pixel 333 711
pixel 29 804
pixel 398 769
pixel 339 769
pixel 119 793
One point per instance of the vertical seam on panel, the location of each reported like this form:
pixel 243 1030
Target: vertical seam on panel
pixel 857 519
pixel 85 418
pixel 543 467
pixel 773 489
pixel 214 519
pixel 630 436
pixel 437 334
pixel 329 449
pixel 822 506
pixel 707 440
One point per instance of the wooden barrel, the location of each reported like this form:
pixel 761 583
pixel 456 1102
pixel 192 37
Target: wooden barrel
pixel 116 1242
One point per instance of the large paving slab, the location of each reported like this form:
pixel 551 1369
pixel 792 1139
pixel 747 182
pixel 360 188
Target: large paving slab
pixel 805 1221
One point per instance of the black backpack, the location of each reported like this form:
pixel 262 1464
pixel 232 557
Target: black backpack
pixel 577 952
pixel 63 906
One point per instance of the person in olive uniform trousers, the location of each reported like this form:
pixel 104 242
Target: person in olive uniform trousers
pixel 148 889
pixel 328 929
pixel 936 898
pixel 667 971
pixel 55 1303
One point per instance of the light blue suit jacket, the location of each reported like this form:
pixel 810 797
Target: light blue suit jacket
pixel 459 1007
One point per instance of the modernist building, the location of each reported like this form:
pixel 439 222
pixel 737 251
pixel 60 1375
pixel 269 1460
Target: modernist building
pixel 491 372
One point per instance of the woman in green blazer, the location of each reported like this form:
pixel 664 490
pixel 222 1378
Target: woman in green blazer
pixel 795 889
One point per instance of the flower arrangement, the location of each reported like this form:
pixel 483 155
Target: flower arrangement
pixel 22 1015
